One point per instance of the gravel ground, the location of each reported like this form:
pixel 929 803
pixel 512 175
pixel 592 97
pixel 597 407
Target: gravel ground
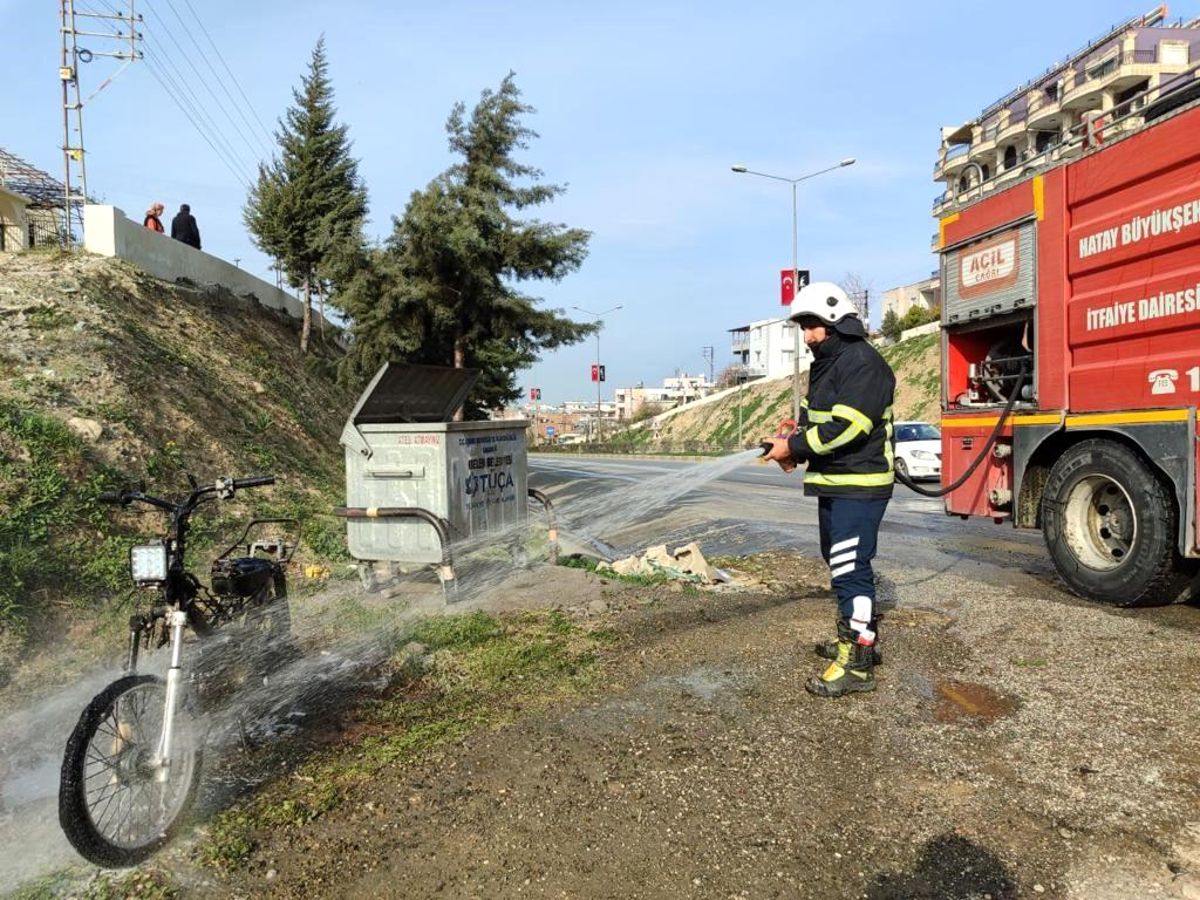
pixel 1017 746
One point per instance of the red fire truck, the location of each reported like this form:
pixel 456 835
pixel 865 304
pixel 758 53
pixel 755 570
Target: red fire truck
pixel 1071 352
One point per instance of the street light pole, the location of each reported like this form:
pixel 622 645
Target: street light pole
pixel 743 170
pixel 599 325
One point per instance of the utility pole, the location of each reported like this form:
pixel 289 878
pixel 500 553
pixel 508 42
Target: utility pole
pixel 708 358
pixel 743 170
pixel 74 153
pixel 599 369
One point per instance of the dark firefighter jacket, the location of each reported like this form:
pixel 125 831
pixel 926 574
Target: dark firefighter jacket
pixel 845 428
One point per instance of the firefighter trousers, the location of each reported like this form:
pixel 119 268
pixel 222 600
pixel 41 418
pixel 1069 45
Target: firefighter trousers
pixel 849 535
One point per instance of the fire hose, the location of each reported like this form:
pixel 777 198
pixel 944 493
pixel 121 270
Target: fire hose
pixel 970 470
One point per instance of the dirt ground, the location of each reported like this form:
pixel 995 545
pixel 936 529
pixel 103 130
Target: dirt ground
pixel 1017 746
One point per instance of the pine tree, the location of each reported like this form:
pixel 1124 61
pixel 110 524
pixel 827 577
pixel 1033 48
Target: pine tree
pixel 891 325
pixel 456 255
pixel 308 205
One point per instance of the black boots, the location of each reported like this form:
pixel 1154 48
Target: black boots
pixel 829 649
pixel 852 668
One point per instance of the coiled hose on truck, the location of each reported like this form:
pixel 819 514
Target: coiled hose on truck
pixel 987 448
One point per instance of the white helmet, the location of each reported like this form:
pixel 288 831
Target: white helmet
pixel 822 300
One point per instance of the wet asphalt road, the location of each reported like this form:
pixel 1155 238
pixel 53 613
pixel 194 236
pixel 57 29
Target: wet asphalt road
pixel 755 508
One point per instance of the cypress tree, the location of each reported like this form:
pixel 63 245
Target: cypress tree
pixel 455 259
pixel 307 207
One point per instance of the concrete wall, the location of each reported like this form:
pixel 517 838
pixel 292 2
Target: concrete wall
pixel 14 226
pixel 107 232
pixel 928 328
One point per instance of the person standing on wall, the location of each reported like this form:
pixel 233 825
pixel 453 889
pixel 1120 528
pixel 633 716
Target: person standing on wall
pixel 845 437
pixel 153 219
pixel 184 228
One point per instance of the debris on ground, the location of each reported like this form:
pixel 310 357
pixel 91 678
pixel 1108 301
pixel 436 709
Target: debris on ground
pixel 687 563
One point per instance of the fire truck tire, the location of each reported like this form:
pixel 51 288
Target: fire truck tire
pixel 1110 526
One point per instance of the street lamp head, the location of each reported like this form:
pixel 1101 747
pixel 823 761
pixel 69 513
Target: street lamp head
pixel 739 168
pixel 848 161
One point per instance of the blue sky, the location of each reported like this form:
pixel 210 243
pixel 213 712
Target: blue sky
pixel 642 109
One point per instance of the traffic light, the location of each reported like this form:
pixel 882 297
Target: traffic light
pixel 595 372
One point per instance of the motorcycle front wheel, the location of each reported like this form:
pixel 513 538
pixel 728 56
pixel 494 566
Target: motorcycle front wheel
pixel 116 804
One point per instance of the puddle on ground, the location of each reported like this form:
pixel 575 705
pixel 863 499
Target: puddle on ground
pixel 964 702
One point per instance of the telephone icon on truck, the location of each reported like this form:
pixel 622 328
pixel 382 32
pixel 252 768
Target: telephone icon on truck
pixel 1163 381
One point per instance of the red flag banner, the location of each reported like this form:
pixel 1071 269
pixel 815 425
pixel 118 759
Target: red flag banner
pixel 787 286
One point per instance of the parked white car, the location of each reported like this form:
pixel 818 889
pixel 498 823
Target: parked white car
pixel 918 450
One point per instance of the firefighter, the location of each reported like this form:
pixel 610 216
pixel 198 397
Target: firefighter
pixel 845 436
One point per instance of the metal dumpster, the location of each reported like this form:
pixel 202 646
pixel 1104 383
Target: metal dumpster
pixel 402 450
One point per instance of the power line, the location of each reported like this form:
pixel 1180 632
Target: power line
pixel 197 115
pixel 204 83
pixel 206 119
pixel 250 106
pixel 177 88
pixel 216 75
pixel 151 64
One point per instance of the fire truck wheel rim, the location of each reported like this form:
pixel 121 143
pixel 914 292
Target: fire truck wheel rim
pixel 1101 522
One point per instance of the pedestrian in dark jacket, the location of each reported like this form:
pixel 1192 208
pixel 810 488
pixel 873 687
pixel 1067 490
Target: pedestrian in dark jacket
pixel 845 437
pixel 183 227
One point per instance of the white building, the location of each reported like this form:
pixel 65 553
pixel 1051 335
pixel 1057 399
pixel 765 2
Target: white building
pixel 766 349
pixel 608 409
pixel 674 392
pixel 926 294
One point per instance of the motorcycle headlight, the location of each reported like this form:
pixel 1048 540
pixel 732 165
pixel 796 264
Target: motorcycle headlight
pixel 148 563
pixel 924 454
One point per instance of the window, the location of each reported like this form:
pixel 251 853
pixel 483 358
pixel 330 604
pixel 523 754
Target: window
pixel 917 431
pixel 1010 157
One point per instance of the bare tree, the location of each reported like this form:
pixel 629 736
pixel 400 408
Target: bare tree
pixel 858 288
pixel 728 376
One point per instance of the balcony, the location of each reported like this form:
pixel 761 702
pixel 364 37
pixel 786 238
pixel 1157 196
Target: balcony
pixel 1043 110
pixel 953 158
pixel 1014 124
pixel 1116 72
pixel 740 345
pixel 987 138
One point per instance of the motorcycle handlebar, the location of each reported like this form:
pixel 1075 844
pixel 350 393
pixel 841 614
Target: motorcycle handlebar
pixel 110 497
pixel 253 481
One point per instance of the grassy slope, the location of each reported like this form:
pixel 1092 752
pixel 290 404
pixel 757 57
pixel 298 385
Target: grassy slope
pixel 179 379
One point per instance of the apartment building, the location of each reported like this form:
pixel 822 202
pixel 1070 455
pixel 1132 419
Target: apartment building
pixel 1104 85
pixel 766 349
pixel 924 294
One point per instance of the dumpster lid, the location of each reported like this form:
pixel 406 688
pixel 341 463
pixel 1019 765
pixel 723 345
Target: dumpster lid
pixel 404 392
